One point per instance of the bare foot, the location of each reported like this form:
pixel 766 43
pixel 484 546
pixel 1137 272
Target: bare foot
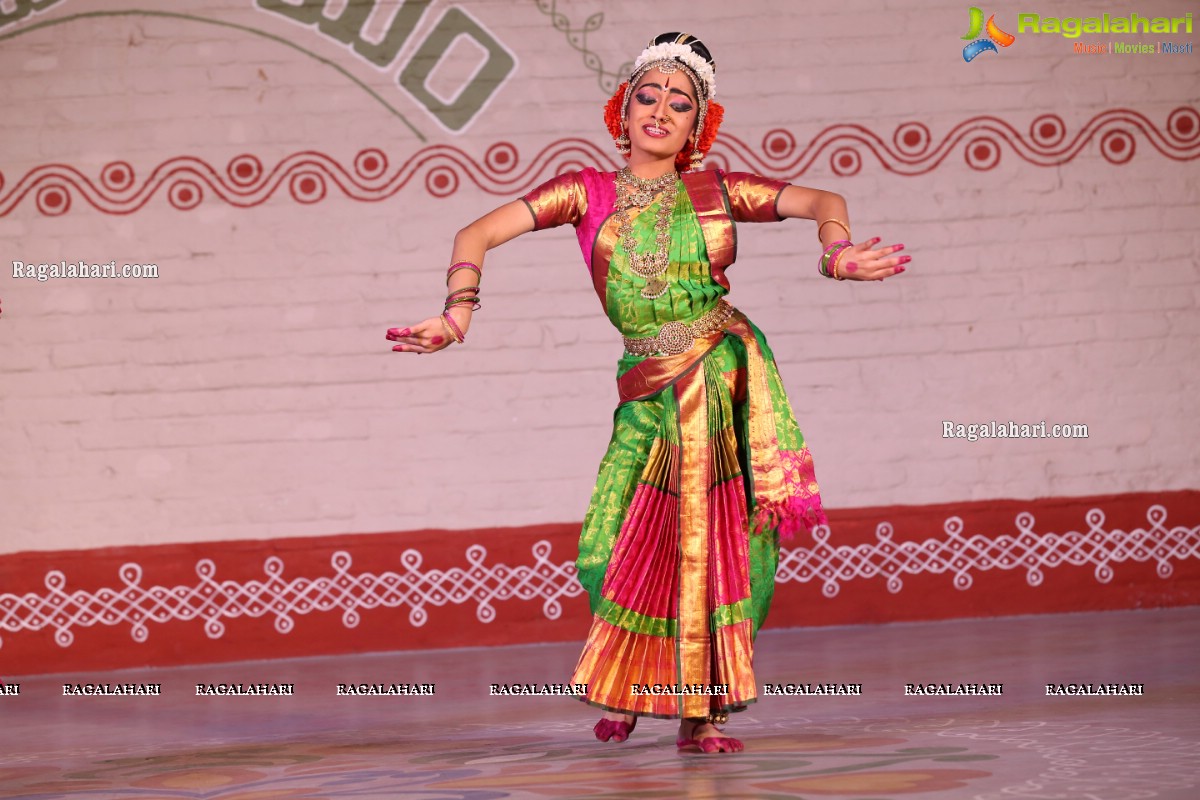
pixel 614 726
pixel 700 733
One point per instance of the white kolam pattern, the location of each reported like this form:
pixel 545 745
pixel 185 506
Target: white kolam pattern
pixel 961 555
pixel 214 601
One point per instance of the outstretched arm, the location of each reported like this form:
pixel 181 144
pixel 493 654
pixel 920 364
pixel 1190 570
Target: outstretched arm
pixel 860 262
pixel 470 244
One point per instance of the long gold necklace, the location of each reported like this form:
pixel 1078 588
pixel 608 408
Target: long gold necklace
pixel 633 191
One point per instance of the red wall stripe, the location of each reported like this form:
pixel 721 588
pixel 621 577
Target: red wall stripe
pixel 90 582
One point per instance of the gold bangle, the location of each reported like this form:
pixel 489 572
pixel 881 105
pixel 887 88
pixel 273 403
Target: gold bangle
pixel 843 225
pixel 837 260
pixel 453 335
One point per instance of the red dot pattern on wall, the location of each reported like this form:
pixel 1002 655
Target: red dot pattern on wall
pixel 982 142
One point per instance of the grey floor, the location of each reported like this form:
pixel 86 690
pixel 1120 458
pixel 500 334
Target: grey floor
pixel 461 742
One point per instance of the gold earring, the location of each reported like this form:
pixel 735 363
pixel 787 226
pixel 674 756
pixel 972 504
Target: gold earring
pixel 623 143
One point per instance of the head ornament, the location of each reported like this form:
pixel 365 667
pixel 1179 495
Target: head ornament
pixel 670 53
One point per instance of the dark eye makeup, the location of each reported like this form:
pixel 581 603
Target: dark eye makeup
pixel 648 99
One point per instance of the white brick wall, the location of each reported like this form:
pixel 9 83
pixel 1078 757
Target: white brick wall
pixel 249 392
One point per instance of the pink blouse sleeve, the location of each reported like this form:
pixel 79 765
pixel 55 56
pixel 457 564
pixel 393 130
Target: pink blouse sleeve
pixel 753 198
pixel 558 201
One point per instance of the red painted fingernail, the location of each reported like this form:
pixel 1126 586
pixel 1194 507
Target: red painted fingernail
pixel 899 270
pixel 852 267
pixel 899 247
pixel 405 332
pixel 905 259
pixel 398 348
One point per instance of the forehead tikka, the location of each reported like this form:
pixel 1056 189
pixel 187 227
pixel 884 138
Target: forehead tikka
pixel 681 55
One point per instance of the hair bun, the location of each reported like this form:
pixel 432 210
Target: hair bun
pixel 687 40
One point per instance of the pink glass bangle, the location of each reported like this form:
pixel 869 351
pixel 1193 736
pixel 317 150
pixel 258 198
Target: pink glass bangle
pixel 456 269
pixel 828 258
pixel 458 334
pixel 465 289
pixel 833 248
pixel 456 266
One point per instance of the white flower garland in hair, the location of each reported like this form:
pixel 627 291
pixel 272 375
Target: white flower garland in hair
pixel 667 50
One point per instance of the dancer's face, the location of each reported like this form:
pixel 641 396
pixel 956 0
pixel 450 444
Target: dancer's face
pixel 658 96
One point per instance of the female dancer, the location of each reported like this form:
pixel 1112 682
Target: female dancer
pixel 706 467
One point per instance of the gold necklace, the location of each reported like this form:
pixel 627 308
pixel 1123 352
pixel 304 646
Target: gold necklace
pixel 634 191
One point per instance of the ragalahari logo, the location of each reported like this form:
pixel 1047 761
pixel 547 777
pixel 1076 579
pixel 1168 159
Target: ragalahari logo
pixel 995 36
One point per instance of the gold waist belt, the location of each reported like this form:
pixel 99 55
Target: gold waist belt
pixel 677 337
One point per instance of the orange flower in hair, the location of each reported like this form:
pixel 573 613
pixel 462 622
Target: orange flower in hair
pixel 612 112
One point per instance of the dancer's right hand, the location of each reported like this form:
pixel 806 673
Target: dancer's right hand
pixel 424 337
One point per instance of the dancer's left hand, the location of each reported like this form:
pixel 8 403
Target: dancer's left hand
pixel 865 262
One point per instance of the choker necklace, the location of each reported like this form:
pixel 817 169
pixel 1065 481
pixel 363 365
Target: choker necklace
pixel 633 191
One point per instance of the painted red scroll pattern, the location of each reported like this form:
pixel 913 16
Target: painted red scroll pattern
pixel 311 176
